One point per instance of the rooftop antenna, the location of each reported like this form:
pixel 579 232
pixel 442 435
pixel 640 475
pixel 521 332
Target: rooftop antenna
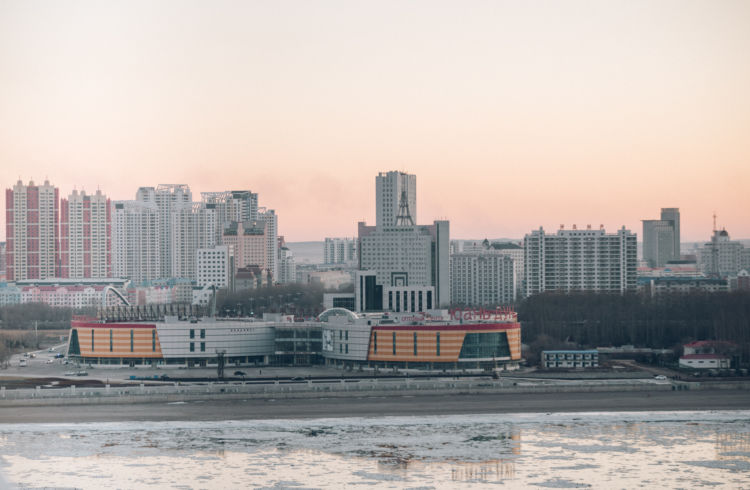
pixel 404 216
pixel 714 220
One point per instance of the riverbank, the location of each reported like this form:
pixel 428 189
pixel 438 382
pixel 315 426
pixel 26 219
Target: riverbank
pixel 376 406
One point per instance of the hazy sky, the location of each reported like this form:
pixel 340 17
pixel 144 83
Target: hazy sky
pixel 513 115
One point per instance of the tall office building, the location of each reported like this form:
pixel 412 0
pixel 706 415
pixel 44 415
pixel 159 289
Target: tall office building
pixel 672 215
pixel 135 240
pixel 661 238
pixel 399 259
pixel 85 236
pixel 248 244
pixel 395 199
pixel 588 260
pixel 339 250
pixel 658 242
pixel 32 231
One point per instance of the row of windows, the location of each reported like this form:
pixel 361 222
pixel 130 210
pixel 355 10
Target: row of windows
pixel 202 346
pixel 111 342
pixel 393 343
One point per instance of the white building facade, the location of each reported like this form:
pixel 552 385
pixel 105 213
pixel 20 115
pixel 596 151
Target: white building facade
pixel 585 260
pixel 339 250
pixel 482 279
pixel 395 193
pixel 722 257
pixel 32 222
pixel 135 240
pixel 213 266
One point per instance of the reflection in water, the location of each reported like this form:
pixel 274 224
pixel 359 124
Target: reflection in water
pixel 651 449
pixel 490 471
pixel 733 446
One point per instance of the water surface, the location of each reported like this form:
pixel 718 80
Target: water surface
pixel 571 450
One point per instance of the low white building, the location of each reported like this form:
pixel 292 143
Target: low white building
pixel 705 361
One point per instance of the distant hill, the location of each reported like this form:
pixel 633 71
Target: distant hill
pixel 307 252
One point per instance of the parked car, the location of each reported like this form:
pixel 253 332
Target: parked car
pixel 660 377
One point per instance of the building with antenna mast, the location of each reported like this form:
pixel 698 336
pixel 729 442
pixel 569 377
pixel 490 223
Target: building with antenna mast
pixel 402 266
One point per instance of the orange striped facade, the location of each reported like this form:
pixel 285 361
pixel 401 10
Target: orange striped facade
pixel 116 342
pixel 451 341
pixel 514 342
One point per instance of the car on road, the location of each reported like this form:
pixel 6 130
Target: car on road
pixel 22 363
pixel 239 373
pixel 660 377
pixel 50 361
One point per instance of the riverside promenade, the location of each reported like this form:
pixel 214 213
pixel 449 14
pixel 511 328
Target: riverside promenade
pixel 346 397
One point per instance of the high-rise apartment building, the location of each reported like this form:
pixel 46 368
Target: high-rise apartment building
pixel 3 269
pixel 183 227
pixel 232 207
pixel 32 231
pixel 395 199
pixel 193 228
pixel 171 201
pixel 85 236
pixel 661 238
pixel 339 250
pixel 483 279
pixel 287 264
pixel 271 220
pixel 586 260
pixel 135 240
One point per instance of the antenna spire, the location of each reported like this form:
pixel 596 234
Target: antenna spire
pixel 404 216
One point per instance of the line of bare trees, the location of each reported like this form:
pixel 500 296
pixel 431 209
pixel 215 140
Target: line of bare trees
pixel 664 321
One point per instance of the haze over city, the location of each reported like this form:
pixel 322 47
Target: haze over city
pixel 513 115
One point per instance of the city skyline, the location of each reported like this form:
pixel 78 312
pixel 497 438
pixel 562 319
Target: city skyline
pixel 549 226
pixel 513 116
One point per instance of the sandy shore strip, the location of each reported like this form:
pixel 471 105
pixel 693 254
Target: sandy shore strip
pixel 366 406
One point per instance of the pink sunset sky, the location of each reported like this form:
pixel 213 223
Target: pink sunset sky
pixel 513 115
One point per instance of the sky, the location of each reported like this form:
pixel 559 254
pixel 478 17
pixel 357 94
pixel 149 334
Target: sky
pixel 513 115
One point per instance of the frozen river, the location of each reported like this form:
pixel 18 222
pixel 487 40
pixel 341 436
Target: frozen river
pixel 571 450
